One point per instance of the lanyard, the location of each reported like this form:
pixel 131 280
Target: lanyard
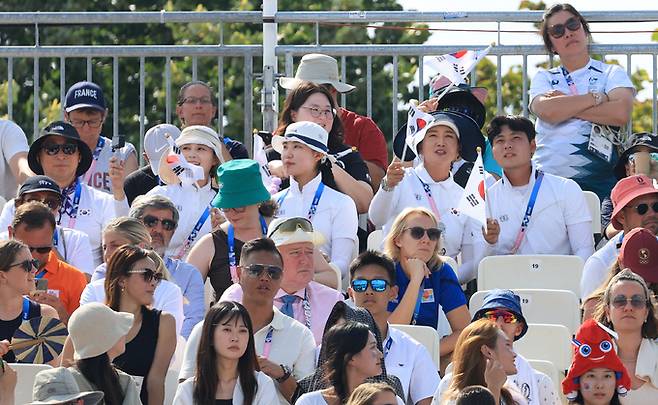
pixel 193 234
pixel 389 342
pixel 56 237
pixel 570 82
pixel 314 204
pixel 418 301
pixel 71 208
pixel 232 261
pixel 528 213
pixel 307 310
pixel 26 309
pixel 267 346
pixel 95 155
pixel 430 199
pixel 40 274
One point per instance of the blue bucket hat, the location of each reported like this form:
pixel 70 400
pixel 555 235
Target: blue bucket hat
pixel 503 299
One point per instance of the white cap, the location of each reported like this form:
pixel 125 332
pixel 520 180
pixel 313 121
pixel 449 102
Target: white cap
pixel 202 135
pixel 156 145
pixel 420 135
pixel 306 132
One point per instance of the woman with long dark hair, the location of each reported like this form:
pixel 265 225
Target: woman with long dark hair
pixel 227 369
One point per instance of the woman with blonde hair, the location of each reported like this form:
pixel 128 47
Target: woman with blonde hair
pixel 483 356
pixel 372 394
pixel 424 280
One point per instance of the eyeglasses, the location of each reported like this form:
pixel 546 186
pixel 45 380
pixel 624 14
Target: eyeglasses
pixel 91 123
pixel 149 275
pixel 52 203
pixel 290 225
pixel 53 149
pixel 637 301
pixel 558 30
pixel 377 284
pixel 494 314
pixel 643 208
pixel 236 209
pixel 151 222
pixel 195 100
pixel 255 271
pixel 41 249
pixel 418 232
pixel 27 265
pixel 318 112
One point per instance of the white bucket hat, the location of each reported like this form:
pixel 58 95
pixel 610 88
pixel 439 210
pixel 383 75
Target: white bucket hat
pixel 156 145
pixel 319 69
pixel 95 328
pixel 418 137
pixel 202 135
pixel 286 231
pixel 306 132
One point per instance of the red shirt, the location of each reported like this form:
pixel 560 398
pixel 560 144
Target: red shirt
pixel 64 281
pixel 362 133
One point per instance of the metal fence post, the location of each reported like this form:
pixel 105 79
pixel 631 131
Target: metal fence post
pixel 269 92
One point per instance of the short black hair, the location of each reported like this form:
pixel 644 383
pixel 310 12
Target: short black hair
pixel 372 257
pixel 34 215
pixel 260 245
pixel 514 122
pixel 475 394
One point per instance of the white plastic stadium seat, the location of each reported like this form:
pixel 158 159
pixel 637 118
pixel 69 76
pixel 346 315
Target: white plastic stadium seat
pixel 375 240
pixel 549 369
pixel 546 342
pixel 594 205
pixel 541 306
pixel 25 374
pixel 426 336
pixel 339 277
pixel 557 272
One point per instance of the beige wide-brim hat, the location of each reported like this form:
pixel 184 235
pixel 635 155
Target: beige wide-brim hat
pixel 319 69
pixel 95 328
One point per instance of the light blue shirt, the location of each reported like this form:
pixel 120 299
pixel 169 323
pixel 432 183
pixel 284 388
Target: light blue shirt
pixel 188 278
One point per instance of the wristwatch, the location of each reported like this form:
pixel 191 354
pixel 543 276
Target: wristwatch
pixel 384 185
pixel 286 373
pixel 598 97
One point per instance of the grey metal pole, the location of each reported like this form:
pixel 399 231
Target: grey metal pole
pixel 269 94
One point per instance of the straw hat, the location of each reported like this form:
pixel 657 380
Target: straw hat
pixel 319 69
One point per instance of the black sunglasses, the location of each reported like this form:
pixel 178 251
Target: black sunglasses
pixel 558 30
pixel 41 249
pixel 52 203
pixel 644 208
pixel 637 301
pixel 255 270
pixel 167 224
pixel 149 275
pixel 290 225
pixel 418 232
pixel 377 284
pixel 53 149
pixel 27 265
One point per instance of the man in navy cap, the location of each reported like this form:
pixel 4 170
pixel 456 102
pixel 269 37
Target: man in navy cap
pixel 85 109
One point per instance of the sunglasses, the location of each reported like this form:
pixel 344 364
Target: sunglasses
pixel 494 314
pixel 256 270
pixel 637 301
pixel 418 232
pixel 644 208
pixel 53 149
pixel 149 275
pixel 41 249
pixel 52 203
pixel 236 209
pixel 377 284
pixel 290 225
pixel 151 222
pixel 558 30
pixel 27 265
pixel 652 156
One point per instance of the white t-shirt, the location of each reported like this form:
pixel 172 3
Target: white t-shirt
pixel 98 175
pixel 410 361
pixel 292 345
pixel 462 234
pixel 335 218
pixel 316 398
pixel 265 394
pixel 562 149
pixel 560 223
pixel 73 248
pixel 191 202
pixel 597 267
pixel 95 210
pixel 509 384
pixel 167 297
pixel 12 141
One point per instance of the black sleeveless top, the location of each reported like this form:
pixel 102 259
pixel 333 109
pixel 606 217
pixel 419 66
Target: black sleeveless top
pixel 8 328
pixel 223 402
pixel 140 351
pixel 220 273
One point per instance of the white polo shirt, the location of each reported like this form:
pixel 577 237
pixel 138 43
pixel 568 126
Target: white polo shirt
pixel 73 248
pixel 98 175
pixel 95 210
pixel 597 267
pixel 560 204
pixel 292 345
pixel 410 361
pixel 12 141
pixel 462 234
pixel 335 218
pixel 191 202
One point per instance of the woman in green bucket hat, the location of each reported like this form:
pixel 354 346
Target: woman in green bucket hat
pixel 246 204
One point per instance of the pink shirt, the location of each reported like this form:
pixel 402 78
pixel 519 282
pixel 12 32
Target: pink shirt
pixel 320 297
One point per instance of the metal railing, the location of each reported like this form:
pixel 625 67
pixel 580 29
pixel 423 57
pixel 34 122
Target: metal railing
pixel 287 52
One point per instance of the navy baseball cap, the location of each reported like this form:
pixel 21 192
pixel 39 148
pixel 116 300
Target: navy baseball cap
pixel 84 95
pixel 39 183
pixel 503 299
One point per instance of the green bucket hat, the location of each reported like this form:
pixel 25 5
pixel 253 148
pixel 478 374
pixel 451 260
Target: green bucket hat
pixel 240 184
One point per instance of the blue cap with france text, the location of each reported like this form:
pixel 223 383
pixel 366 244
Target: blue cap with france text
pixel 84 95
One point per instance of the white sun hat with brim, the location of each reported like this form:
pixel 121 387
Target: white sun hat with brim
pixel 202 135
pixel 441 120
pixel 156 145
pixel 95 328
pixel 306 132
pixel 286 231
pixel 319 69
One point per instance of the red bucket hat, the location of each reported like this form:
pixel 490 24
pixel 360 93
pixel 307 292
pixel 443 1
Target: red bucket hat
pixel 628 189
